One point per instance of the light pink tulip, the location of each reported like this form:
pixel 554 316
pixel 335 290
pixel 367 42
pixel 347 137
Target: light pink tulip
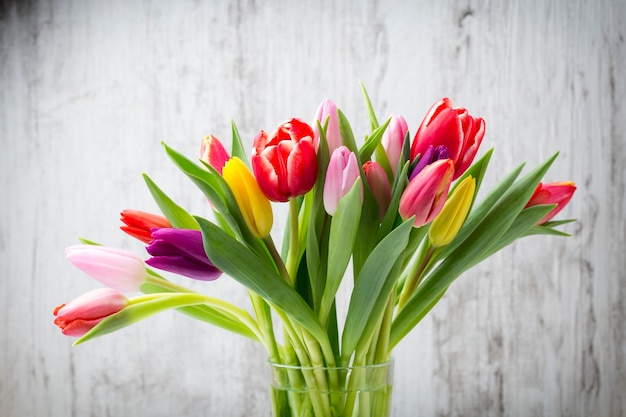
pixel 343 171
pixel 80 315
pixel 116 268
pixel 327 110
pixel 393 140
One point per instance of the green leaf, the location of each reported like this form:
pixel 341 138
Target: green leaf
pixel 369 284
pixel 245 266
pixel 176 215
pixel 370 109
pixel 237 146
pixel 205 313
pixel 343 231
pixel 133 313
pixel 476 246
pixel 347 137
pixel 372 142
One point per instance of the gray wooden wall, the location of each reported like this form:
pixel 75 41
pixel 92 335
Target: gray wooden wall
pixel 89 89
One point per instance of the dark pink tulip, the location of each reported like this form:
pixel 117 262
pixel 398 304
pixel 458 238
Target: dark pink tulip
pixel 379 185
pixel 559 193
pixel 426 194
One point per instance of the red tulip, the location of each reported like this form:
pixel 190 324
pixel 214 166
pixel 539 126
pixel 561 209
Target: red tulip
pixel 426 194
pixel 139 223
pixel 213 153
pixel 452 127
pixel 80 315
pixel 559 193
pixel 285 162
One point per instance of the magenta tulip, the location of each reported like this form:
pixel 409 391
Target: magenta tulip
pixel 379 185
pixel 559 193
pixel 116 268
pixel 327 110
pixel 451 127
pixel 80 315
pixel 181 251
pixel 393 141
pixel 426 194
pixel 285 162
pixel 213 153
pixel 343 171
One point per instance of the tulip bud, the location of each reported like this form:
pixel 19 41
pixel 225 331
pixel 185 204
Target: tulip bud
pixel 213 152
pixel 116 268
pixel 343 171
pixel 379 185
pixel 559 193
pixel 447 224
pixel 393 141
pixel 80 315
pixel 327 110
pixel 453 128
pixel 254 205
pixel 426 194
pixel 139 223
pixel 181 251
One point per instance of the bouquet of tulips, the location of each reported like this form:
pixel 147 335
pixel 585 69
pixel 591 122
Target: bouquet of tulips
pixel 397 217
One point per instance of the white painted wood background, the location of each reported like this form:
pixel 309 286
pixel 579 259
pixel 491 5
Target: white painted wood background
pixel 89 89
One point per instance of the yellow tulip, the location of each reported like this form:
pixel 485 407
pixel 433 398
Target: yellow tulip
pixel 447 224
pixel 254 205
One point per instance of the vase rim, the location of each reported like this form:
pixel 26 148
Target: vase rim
pixel 369 366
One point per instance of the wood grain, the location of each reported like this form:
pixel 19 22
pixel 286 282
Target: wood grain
pixel 89 89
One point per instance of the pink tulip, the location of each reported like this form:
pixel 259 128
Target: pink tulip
pixel 285 162
pixel 393 141
pixel 559 193
pixel 213 153
pixel 327 110
pixel 452 127
pixel 426 194
pixel 379 184
pixel 343 171
pixel 139 223
pixel 116 268
pixel 80 315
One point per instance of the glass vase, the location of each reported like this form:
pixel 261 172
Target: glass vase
pixel 358 391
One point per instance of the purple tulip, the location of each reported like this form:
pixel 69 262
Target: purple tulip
pixel 181 251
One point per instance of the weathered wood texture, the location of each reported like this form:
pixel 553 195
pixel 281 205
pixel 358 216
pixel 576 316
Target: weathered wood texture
pixel 88 90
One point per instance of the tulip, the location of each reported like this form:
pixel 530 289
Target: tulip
pixel 447 224
pixel 431 155
pixel 116 268
pixel 285 163
pixel 453 128
pixel 254 205
pixel 559 193
pixel 181 251
pixel 80 315
pixel 213 152
pixel 343 171
pixel 327 110
pixel 379 185
pixel 426 194
pixel 139 223
pixel 393 141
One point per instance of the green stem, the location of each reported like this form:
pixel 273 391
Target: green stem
pixel 415 275
pixel 294 250
pixel 278 261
